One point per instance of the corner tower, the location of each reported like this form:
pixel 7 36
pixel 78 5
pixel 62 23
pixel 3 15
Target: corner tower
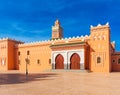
pixel 100 48
pixel 57 30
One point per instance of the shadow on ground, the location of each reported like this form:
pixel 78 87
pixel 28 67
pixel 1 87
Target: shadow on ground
pixel 22 78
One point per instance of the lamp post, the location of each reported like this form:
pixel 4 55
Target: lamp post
pixel 27 62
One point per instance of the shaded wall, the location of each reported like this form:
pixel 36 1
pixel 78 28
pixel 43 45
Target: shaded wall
pixel 115 62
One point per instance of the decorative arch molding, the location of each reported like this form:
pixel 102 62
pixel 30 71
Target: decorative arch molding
pixel 80 53
pixel 55 54
pixel 75 61
pixel 59 62
pixel 67 55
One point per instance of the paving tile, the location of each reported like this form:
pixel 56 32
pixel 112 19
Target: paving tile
pixel 59 83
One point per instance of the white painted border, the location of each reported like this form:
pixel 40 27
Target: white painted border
pixel 67 55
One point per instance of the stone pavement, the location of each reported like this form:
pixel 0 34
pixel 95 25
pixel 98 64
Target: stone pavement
pixel 59 83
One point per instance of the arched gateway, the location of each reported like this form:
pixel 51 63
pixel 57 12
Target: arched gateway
pixel 59 62
pixel 75 61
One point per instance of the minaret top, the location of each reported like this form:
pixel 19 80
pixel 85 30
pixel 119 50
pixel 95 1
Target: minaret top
pixel 57 31
pixel 57 23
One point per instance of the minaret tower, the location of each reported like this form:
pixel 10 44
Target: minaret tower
pixel 57 31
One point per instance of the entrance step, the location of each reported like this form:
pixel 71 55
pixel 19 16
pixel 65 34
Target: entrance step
pixel 60 70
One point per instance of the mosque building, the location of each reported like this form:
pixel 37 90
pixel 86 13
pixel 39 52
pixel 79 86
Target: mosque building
pixel 95 52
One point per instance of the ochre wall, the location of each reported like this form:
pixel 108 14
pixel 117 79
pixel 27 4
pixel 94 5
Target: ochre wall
pixel 100 47
pixel 3 55
pixel 97 44
pixel 7 53
pixel 40 52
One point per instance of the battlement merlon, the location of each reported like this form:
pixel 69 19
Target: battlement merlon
pixel 99 26
pixel 8 39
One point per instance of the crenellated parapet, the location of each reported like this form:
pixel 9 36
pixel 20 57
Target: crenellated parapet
pixel 62 40
pixel 3 39
pixel 6 38
pixel 99 27
pixel 100 32
pixel 45 42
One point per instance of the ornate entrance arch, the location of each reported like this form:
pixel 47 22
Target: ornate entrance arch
pixel 75 61
pixel 59 62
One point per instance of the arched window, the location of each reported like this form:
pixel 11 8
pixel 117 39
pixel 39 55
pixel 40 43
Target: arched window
pixel 28 52
pixel 38 61
pixel 119 61
pixel 113 60
pixel 98 60
pixel 19 53
pixel 49 61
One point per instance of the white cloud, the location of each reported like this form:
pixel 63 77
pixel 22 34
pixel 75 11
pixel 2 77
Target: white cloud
pixel 41 31
pixel 18 28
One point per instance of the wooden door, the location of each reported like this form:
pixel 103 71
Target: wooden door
pixel 75 61
pixel 59 62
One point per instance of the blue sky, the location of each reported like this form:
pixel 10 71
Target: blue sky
pixel 31 20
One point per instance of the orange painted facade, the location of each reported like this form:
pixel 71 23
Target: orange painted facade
pixel 8 54
pixel 94 52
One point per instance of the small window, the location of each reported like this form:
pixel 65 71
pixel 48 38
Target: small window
pixel 113 61
pixel 49 61
pixel 28 52
pixel 98 60
pixel 38 61
pixel 19 53
pixel 119 61
pixel 3 61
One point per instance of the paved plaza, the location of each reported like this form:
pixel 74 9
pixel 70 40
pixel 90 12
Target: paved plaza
pixel 59 83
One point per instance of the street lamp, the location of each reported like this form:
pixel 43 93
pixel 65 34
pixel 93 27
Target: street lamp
pixel 27 62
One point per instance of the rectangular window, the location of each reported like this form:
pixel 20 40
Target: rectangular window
pixel 98 60
pixel 38 61
pixel 19 53
pixel 28 52
pixel 119 61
